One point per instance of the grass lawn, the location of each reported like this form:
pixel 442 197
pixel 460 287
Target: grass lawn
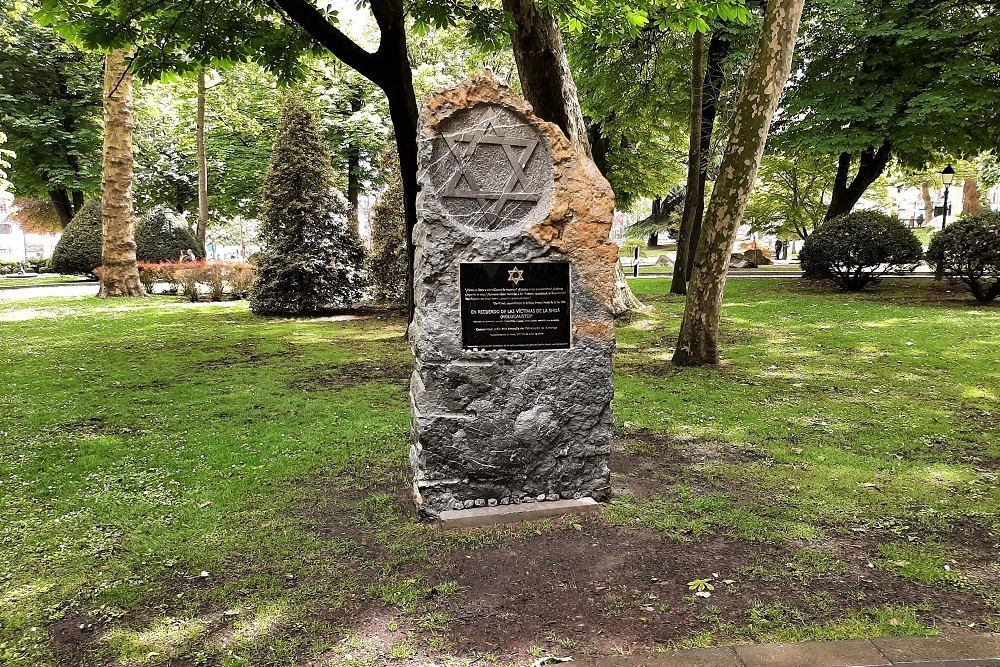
pixel 189 484
pixel 45 279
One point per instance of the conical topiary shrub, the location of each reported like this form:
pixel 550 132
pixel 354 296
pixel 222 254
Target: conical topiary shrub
pixel 310 261
pixel 79 249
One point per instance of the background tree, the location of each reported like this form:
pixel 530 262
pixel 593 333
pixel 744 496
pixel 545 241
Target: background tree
pixel 387 260
pixel 679 283
pixel 119 271
pixel 893 78
pixel 78 251
pixel 50 105
pixel 311 257
pixel 698 342
pixel 788 198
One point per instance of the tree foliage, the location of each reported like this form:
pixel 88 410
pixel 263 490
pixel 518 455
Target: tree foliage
pixel 856 249
pixel 50 109
pixel 788 198
pixel 969 252
pixel 919 74
pixel 311 258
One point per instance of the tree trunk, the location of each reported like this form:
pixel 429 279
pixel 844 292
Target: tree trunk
pixel 925 194
pixel 970 197
pixel 715 75
pixel 871 164
pixel 684 239
pixel 202 162
pixel 63 206
pixel 698 342
pixel 354 171
pixel 119 274
pixel 549 87
pixel 544 72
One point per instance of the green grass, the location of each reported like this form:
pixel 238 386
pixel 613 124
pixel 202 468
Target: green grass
pixel 144 443
pixel 41 280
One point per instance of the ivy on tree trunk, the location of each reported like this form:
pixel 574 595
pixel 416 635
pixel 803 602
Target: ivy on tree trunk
pixel 698 342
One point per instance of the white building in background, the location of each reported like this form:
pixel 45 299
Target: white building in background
pixel 18 246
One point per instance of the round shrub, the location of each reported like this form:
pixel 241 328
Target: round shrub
pixel 969 251
pixel 161 236
pixel 856 249
pixel 79 249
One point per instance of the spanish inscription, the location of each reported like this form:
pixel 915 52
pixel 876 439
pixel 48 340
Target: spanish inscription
pixel 515 305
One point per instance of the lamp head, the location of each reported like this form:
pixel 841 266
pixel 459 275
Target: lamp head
pixel 948 175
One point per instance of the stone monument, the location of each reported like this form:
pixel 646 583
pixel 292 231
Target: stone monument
pixel 512 334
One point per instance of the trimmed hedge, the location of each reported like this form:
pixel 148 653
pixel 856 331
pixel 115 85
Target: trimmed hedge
pixel 969 252
pixel 160 235
pixel 855 250
pixel 79 249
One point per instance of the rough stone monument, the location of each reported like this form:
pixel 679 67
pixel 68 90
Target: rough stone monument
pixel 513 333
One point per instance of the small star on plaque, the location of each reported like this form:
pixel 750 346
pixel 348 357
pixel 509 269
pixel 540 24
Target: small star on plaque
pixel 463 183
pixel 515 275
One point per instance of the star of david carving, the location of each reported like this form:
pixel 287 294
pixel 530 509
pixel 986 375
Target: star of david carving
pixel 515 275
pixel 463 184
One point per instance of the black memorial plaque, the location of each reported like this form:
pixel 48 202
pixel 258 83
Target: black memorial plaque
pixel 515 305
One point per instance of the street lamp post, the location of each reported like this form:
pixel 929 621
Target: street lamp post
pixel 947 178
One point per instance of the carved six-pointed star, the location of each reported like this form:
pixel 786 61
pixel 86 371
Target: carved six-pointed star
pixel 515 275
pixel 463 147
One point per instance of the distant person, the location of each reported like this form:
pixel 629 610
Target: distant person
pixel 779 245
pixel 188 256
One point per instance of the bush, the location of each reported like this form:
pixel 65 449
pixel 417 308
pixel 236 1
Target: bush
pixel 218 278
pixel 79 249
pixel 311 256
pixel 161 236
pixel 857 249
pixel 387 262
pixel 969 252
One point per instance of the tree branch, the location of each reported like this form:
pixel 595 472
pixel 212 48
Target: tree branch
pixel 340 45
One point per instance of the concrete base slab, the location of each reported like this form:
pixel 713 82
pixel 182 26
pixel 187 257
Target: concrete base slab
pixel 475 517
pixel 927 649
pixel 853 653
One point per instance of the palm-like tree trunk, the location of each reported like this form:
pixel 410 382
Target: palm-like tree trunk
pixel 698 342
pixel 120 273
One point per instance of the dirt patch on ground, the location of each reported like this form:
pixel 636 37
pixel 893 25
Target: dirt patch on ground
pixel 352 374
pixel 599 589
pixel 72 638
pixel 646 463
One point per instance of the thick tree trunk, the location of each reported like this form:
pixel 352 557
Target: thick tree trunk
pixel 120 274
pixel 202 162
pixel 871 164
pixel 715 75
pixel 698 342
pixel 925 194
pixel 684 239
pixel 970 197
pixel 544 72
pixel 549 87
